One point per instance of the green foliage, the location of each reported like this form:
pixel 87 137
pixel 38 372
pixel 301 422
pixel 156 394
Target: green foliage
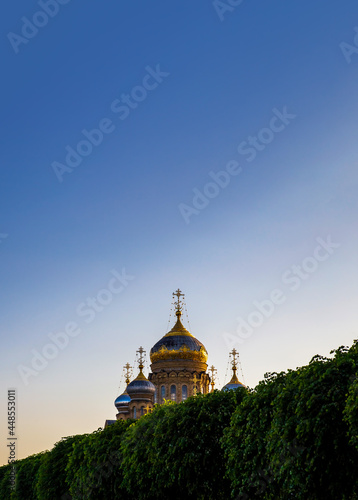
pixel 312 425
pixel 27 475
pixel 93 470
pixel 245 441
pixel 6 492
pixel 294 437
pixel 175 452
pixel 289 438
pixel 51 481
pixel 351 412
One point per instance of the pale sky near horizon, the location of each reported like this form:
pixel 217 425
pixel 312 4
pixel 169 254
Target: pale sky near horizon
pixel 151 147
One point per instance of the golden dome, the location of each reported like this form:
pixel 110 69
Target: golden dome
pixel 178 343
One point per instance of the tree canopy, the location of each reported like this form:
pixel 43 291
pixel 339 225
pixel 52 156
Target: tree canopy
pixel 295 436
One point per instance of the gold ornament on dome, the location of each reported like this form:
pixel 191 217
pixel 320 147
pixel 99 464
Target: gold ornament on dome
pixel 182 353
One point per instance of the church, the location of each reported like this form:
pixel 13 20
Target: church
pixel 178 370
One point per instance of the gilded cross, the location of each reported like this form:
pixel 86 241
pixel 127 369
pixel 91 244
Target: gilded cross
pixel 234 355
pixel 127 372
pixel 141 352
pixel 213 371
pixel 178 294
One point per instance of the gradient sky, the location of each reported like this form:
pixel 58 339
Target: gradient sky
pixel 119 208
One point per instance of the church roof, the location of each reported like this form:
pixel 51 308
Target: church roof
pixel 234 382
pixel 122 400
pixel 109 422
pixel 178 343
pixel 179 329
pixel 140 384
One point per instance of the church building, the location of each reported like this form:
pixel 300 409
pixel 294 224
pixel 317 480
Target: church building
pixel 178 371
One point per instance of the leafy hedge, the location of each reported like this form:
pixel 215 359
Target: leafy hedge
pixel 294 437
pixel 176 453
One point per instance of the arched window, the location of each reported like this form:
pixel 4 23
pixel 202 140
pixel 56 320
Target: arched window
pixel 142 410
pixel 162 393
pixel 156 395
pixel 134 412
pixel 173 392
pixel 184 392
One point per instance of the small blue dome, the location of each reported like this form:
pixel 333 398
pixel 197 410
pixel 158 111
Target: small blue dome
pixel 122 400
pixel 229 386
pixel 234 382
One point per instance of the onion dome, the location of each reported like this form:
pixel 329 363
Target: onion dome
pixel 122 401
pixel 234 382
pixel 178 343
pixel 140 385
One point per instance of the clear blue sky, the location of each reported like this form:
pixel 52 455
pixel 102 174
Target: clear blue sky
pixel 201 88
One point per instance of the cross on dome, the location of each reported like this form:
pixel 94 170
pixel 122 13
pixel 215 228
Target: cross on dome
pixel 234 354
pixel 214 372
pixel 178 304
pixel 141 353
pixel 127 372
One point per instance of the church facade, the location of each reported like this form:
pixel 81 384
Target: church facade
pixel 178 371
